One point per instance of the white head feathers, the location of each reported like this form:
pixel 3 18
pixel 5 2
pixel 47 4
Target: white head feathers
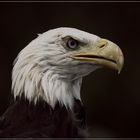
pixel 44 68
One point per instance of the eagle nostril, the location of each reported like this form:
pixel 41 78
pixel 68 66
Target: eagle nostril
pixel 103 45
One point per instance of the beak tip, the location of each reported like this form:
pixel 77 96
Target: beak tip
pixel 119 71
pixel 120 68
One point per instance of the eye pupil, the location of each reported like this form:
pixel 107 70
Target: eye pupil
pixel 72 44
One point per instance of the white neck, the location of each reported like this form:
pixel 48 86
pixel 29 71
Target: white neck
pixel 49 86
pixel 56 89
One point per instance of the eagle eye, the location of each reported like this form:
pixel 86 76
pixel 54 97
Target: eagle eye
pixel 72 43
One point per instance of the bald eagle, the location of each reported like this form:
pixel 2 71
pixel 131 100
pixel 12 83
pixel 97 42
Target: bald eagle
pixel 46 81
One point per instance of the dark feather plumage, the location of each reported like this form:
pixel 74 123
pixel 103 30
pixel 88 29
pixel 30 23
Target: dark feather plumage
pixel 24 119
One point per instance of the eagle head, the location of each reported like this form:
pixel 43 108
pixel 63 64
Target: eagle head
pixel 51 66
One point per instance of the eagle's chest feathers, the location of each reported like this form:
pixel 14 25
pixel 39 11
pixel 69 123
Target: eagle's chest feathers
pixel 40 120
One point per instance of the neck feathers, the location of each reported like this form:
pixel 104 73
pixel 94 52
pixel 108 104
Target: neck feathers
pixel 30 81
pixel 61 90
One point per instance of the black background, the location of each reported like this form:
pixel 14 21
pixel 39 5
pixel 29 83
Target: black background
pixel 112 101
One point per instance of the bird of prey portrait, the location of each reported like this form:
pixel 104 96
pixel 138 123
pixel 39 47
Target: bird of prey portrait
pixel 46 82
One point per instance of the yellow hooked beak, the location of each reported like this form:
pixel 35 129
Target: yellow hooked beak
pixel 104 53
